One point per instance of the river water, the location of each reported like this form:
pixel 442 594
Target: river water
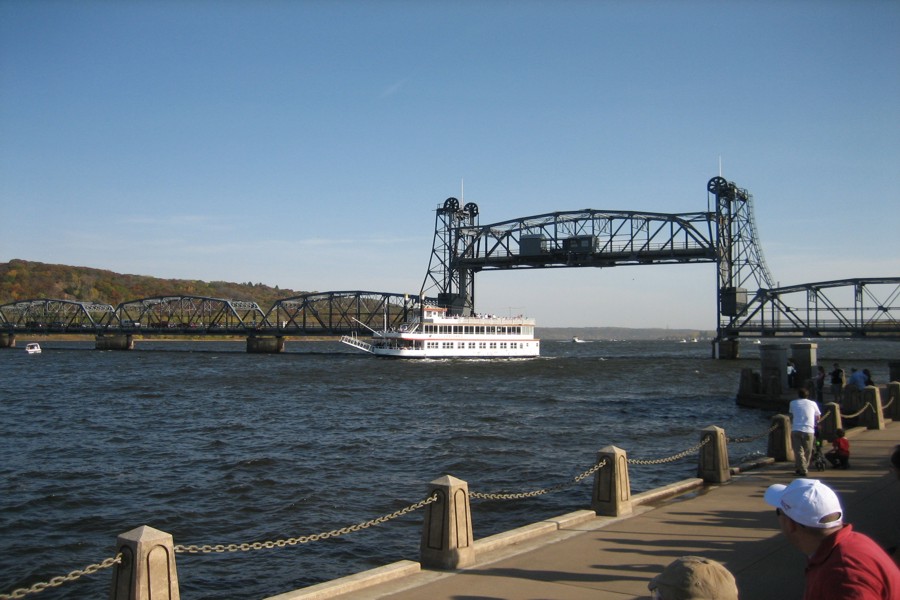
pixel 216 446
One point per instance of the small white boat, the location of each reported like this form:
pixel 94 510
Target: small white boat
pixel 33 348
pixel 435 334
pixel 577 340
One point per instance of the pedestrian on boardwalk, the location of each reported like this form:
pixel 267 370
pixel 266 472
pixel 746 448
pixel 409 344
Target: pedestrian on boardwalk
pixel 820 385
pixel 839 455
pixel 857 379
pixel 804 419
pixel 837 383
pixel 841 563
pixel 694 578
pixel 791 373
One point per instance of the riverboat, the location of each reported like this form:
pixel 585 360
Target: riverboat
pixel 436 334
pixel 33 348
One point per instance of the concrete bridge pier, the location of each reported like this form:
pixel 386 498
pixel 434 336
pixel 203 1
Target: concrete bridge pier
pixel 265 345
pixel 726 349
pixel 7 340
pixel 114 342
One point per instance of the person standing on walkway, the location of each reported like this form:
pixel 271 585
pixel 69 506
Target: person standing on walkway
pixel 804 418
pixel 842 564
pixel 857 379
pixel 820 385
pixel 837 383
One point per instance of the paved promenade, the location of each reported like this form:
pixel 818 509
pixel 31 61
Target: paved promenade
pixel 589 557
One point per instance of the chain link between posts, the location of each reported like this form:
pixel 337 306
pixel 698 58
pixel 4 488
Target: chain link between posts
pixel 541 492
pixel 753 438
pixel 58 581
pixel 674 457
pixel 206 549
pixel 868 406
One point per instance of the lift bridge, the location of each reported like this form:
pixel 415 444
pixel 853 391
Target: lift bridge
pixel 748 305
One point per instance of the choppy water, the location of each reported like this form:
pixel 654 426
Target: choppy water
pixel 214 445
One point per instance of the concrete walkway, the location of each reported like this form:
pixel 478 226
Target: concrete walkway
pixel 584 556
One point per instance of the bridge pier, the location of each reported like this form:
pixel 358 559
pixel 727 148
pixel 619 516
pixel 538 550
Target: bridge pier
pixel 726 349
pixel 114 342
pixel 7 340
pixel 265 345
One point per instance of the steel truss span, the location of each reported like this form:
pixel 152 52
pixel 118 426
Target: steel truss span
pixel 340 313
pixel 842 308
pixel 589 238
pixel 325 313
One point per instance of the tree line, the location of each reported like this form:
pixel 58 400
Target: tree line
pixel 27 280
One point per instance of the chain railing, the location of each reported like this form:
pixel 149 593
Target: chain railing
pixel 753 438
pixel 304 539
pixel 868 406
pixel 58 581
pixel 673 458
pixel 534 493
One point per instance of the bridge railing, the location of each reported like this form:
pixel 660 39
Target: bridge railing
pixel 148 555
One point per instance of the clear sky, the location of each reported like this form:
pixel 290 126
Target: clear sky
pixel 307 144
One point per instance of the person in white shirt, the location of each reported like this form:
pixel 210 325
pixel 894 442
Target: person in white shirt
pixel 804 419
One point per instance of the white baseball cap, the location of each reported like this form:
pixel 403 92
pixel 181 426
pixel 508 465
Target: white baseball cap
pixel 808 502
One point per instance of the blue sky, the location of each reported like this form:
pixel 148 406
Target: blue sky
pixel 307 144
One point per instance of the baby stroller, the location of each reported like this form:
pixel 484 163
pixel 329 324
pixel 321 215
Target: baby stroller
pixel 818 458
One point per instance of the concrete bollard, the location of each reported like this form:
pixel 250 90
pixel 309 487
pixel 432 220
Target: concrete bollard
pixel 851 403
pixel 447 540
pixel 872 419
pixel 892 406
pixel 611 495
pixel 713 464
pixel 147 570
pixel 779 445
pixel 831 420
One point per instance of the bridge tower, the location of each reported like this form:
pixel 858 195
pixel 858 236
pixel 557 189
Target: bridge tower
pixel 739 257
pixel 454 284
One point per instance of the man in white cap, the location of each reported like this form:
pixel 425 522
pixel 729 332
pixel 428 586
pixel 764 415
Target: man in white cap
pixel 694 578
pixel 842 563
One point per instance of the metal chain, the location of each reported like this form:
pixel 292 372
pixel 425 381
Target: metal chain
pixel 205 549
pixel 58 581
pixel 673 458
pixel 541 492
pixel 856 414
pixel 753 438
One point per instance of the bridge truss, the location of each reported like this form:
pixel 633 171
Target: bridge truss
pixel 335 313
pixel 54 316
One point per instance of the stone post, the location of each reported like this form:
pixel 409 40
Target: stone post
pixel 851 403
pixel 872 419
pixel 892 406
pixel 147 570
pixel 831 420
pixel 447 540
pixel 611 495
pixel 779 444
pixel 773 369
pixel 713 464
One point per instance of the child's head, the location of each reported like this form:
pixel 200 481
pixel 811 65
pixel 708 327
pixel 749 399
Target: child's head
pixel 839 432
